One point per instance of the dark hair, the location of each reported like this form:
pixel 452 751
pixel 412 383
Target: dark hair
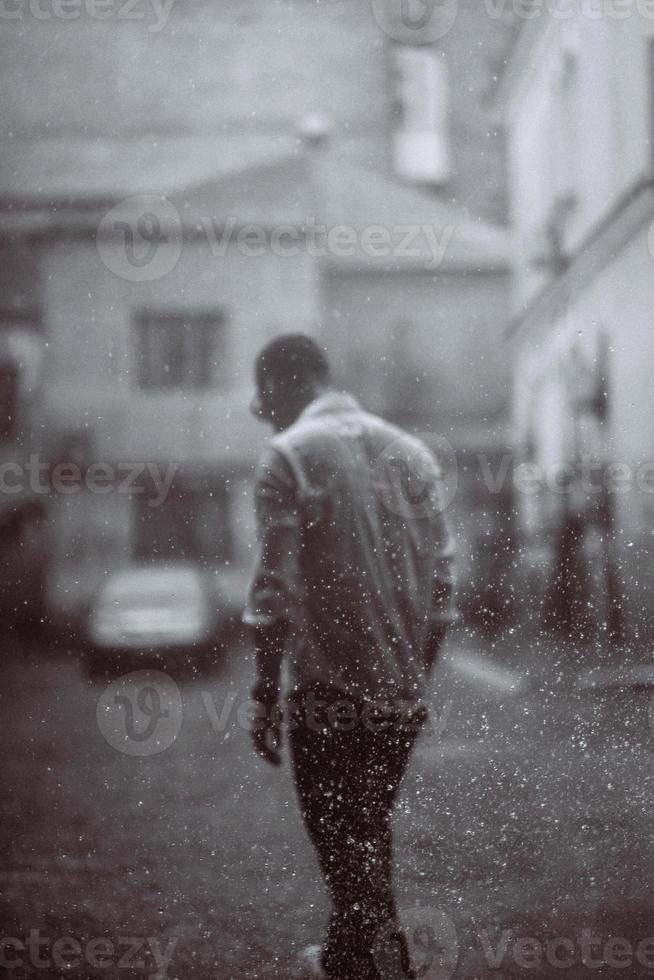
pixel 292 359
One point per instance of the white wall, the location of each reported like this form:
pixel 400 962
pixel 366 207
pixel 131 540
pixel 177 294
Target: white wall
pixel 91 380
pixel 598 157
pixel 621 303
pixel 91 359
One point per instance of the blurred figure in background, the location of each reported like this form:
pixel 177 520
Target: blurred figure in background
pixel 352 590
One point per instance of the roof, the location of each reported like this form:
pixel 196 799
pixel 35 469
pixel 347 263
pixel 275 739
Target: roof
pixel 249 179
pixel 631 213
pixel 364 199
pixel 74 171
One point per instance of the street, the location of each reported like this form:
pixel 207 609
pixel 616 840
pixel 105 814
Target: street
pixel 524 841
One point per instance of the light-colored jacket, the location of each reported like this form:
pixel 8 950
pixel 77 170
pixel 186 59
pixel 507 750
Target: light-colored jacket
pixel 354 550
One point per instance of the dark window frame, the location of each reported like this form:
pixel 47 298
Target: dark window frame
pixel 193 364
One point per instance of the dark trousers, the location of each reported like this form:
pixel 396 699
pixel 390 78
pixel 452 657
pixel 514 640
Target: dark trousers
pixel 347 782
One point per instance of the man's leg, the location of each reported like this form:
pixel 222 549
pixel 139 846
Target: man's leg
pixel 322 764
pixel 347 783
pixel 387 759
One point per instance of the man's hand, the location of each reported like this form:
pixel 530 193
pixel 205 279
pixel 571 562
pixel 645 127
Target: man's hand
pixel 266 735
pixel 266 730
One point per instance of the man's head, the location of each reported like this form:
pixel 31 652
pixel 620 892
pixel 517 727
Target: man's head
pixel 290 372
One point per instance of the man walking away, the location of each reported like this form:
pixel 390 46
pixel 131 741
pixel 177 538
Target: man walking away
pixel 352 590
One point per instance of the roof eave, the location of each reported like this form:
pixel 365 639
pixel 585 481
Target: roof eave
pixel 474 266
pixel 602 244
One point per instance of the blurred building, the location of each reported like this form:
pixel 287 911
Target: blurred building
pixel 21 508
pixel 216 72
pixel 377 227
pixel 577 103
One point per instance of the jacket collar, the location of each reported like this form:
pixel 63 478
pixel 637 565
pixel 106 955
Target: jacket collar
pixel 331 403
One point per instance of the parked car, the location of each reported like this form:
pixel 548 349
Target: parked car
pixel 154 609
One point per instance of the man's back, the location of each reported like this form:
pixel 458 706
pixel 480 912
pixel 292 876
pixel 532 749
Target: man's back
pixel 359 502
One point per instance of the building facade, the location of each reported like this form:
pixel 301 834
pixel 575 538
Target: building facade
pixel 214 73
pixel 177 218
pixel 22 511
pixel 577 103
pixel 146 442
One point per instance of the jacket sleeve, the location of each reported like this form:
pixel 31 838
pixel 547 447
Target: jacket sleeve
pixel 443 609
pixel 443 604
pixel 275 591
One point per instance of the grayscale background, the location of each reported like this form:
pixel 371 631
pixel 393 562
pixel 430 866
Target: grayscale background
pixel 456 198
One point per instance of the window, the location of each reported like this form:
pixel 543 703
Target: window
pixel 192 523
pixel 420 140
pixel 180 350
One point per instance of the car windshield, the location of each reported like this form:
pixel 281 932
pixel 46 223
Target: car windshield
pixel 140 590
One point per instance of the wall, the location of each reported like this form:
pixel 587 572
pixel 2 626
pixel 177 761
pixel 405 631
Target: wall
pixel 620 302
pixel 606 147
pixel 447 336
pixel 238 66
pixel 91 357
pixel 90 384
